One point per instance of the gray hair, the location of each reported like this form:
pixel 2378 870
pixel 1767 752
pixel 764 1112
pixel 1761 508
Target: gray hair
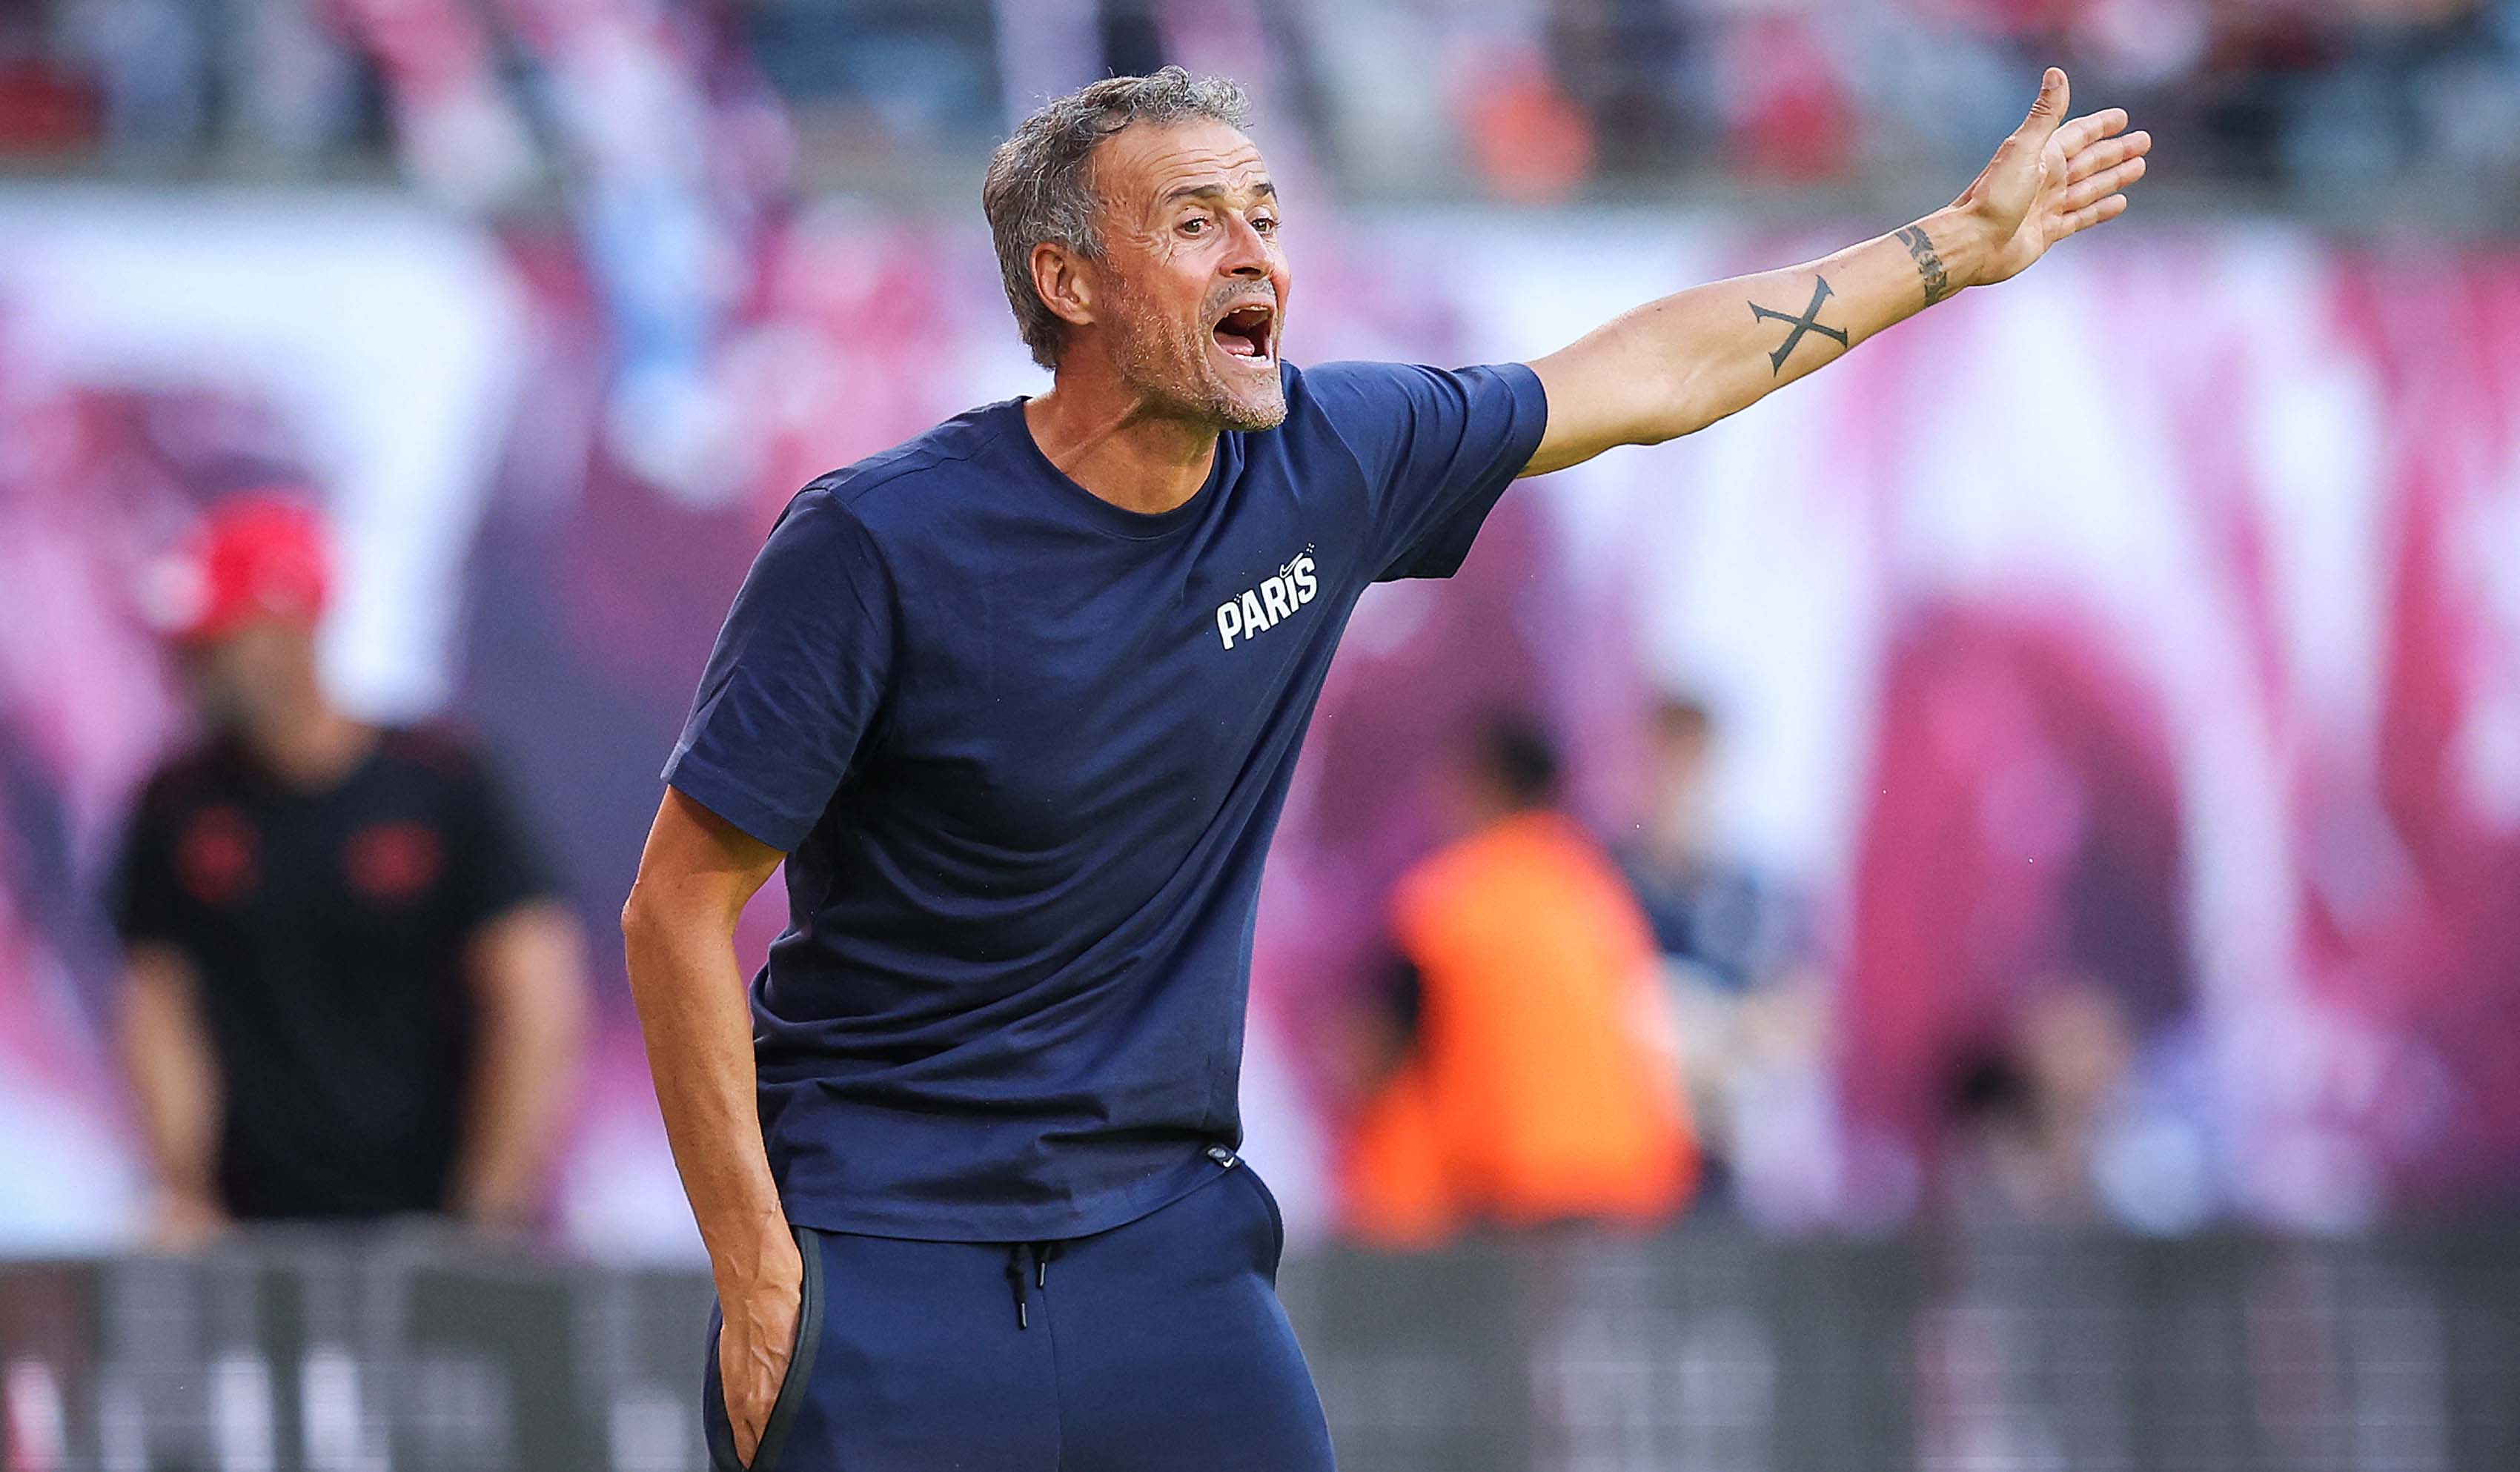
pixel 1040 184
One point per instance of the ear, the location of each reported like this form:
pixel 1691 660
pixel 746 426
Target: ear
pixel 1065 280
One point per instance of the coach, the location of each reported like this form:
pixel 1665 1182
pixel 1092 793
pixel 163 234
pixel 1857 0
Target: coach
pixel 1016 703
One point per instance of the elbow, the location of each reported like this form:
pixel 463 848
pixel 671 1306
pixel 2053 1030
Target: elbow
pixel 662 916
pixel 643 914
pixel 637 913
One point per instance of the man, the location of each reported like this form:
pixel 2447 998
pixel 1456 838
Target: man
pixel 1735 963
pixel 1018 702
pixel 349 992
pixel 1538 1083
pixel 1727 925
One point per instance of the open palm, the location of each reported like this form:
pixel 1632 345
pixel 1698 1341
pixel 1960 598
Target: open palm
pixel 2052 178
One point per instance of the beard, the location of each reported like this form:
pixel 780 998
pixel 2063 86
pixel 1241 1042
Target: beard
pixel 1171 365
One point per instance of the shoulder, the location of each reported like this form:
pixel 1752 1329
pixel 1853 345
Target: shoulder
pixel 1355 405
pixel 189 774
pixel 1377 408
pixel 438 751
pixel 1540 849
pixel 1339 389
pixel 894 491
pixel 1439 884
pixel 1397 387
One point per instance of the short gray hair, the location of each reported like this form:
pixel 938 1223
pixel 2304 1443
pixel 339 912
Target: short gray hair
pixel 1040 186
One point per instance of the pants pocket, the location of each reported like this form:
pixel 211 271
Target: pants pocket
pixel 717 1426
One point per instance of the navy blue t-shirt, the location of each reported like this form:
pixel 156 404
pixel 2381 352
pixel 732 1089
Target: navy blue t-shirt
pixel 1025 750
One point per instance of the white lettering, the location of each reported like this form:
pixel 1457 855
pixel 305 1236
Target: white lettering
pixel 1275 601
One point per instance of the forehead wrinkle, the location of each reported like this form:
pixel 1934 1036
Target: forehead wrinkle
pixel 1190 180
pixel 1223 194
pixel 1176 173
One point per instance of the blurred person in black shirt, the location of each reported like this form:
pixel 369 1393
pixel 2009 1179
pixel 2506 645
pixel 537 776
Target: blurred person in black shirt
pixel 350 991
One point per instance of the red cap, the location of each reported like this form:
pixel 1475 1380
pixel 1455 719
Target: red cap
pixel 258 556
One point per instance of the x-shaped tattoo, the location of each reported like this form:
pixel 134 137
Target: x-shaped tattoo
pixel 1808 322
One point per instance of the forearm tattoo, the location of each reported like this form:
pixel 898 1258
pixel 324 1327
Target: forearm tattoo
pixel 1920 246
pixel 1808 322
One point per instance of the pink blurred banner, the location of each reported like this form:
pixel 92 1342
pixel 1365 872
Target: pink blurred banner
pixel 2148 626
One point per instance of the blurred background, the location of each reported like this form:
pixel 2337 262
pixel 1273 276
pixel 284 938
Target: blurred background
pixel 2030 820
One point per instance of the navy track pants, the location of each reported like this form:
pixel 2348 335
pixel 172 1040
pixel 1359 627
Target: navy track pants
pixel 1155 1347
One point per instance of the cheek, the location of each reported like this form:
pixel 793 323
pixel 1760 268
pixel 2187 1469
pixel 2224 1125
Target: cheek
pixel 1162 291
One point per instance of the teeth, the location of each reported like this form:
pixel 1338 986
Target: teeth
pixel 1243 332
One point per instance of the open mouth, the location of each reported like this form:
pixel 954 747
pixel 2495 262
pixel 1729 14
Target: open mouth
pixel 1244 332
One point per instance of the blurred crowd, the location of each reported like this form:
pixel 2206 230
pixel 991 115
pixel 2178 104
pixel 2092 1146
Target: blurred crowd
pixel 2042 981
pixel 1624 1031
pixel 1521 100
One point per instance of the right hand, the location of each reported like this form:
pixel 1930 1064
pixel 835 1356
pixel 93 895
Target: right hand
pixel 2052 178
pixel 757 1336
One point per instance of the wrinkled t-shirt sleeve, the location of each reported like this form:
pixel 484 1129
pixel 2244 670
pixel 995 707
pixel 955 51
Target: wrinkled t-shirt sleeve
pixel 797 679
pixel 1438 445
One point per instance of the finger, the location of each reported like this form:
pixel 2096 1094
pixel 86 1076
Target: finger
pixel 2098 156
pixel 2108 153
pixel 2094 213
pixel 2106 182
pixel 2081 132
pixel 2048 111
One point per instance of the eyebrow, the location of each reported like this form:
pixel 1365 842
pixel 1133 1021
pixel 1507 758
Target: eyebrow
pixel 1196 190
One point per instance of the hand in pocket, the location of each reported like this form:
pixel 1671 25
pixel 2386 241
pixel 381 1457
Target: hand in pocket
pixel 754 1345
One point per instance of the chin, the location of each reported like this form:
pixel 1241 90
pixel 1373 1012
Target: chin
pixel 1250 416
pixel 1232 395
pixel 1249 408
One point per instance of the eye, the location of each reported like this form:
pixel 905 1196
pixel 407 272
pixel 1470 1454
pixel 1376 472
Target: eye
pixel 1265 224
pixel 1196 225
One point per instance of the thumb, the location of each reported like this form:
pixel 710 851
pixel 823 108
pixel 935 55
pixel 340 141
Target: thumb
pixel 2055 92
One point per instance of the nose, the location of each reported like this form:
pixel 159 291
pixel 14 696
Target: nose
pixel 1247 253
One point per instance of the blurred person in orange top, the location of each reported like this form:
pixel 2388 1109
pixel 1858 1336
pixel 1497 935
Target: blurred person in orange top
pixel 1532 1077
pixel 350 991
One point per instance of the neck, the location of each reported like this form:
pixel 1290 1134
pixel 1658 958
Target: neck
pixel 305 742
pixel 1112 442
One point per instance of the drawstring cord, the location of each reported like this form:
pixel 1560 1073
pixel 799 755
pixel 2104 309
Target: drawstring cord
pixel 1038 1253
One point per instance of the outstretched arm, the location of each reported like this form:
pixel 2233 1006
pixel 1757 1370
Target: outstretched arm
pixel 1681 362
